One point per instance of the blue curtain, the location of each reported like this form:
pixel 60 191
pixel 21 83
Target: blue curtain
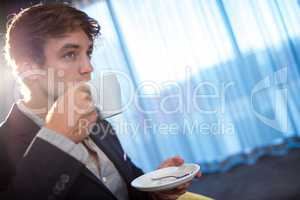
pixel 216 82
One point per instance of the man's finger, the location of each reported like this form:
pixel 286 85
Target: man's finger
pixel 175 190
pixel 198 175
pixel 184 186
pixel 173 196
pixel 169 196
pixel 177 161
pixel 85 123
pixel 174 161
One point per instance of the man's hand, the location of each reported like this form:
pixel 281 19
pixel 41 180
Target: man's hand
pixel 72 113
pixel 176 192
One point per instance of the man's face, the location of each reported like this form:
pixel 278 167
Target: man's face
pixel 67 60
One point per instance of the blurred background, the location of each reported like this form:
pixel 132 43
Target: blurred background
pixel 215 81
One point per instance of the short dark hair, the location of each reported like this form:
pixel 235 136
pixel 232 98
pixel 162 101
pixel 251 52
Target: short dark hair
pixel 29 29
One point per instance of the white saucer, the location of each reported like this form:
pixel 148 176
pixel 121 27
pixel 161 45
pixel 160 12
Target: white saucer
pixel 146 182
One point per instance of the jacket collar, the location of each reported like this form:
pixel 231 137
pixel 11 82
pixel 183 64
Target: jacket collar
pixel 20 132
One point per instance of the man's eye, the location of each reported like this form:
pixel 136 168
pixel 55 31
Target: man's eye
pixel 70 55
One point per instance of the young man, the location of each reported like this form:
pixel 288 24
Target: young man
pixel 43 155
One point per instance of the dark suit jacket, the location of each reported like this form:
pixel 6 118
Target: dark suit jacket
pixel 46 172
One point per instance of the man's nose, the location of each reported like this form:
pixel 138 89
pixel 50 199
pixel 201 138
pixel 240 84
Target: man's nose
pixel 86 68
